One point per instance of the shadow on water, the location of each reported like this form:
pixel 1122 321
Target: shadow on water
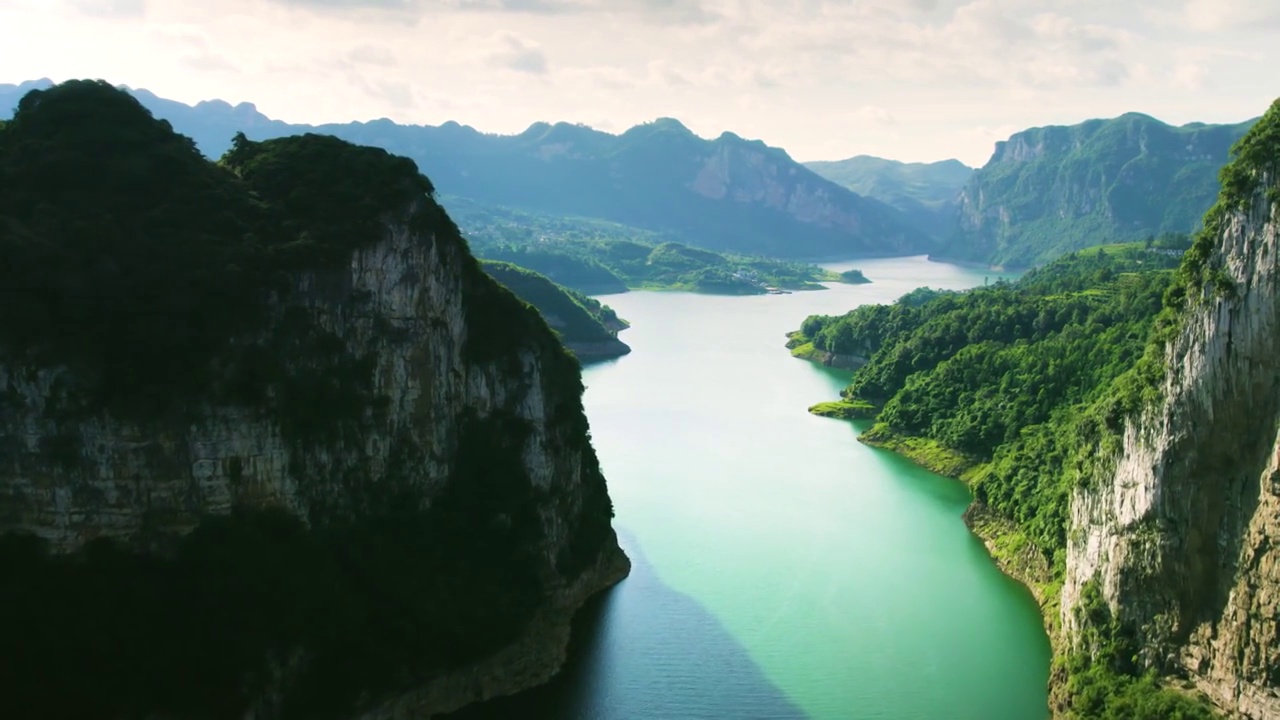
pixel 624 663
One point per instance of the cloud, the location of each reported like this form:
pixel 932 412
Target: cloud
pixel 372 55
pixel 393 93
pixel 875 115
pixel 1219 15
pixel 519 55
pixel 1190 76
pixel 817 77
pixel 691 12
pixel 110 8
pixel 209 62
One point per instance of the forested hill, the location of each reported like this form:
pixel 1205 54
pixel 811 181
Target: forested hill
pixel 1051 190
pixel 273 444
pixel 928 194
pixel 726 194
pixel 586 326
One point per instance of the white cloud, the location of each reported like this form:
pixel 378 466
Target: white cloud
pixel 1190 76
pixel 913 79
pixel 110 8
pixel 518 54
pixel 1220 15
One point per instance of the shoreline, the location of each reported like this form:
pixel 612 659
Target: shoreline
pixel 1004 542
pixel 533 659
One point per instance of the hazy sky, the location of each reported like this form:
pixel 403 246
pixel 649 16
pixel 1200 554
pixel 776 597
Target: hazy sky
pixel 824 79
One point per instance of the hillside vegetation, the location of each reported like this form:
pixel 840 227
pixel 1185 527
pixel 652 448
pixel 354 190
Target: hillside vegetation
pixel 598 257
pixel 587 327
pixel 1053 190
pixel 1005 386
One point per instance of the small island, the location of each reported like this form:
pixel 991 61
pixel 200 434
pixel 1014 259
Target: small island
pixel 853 277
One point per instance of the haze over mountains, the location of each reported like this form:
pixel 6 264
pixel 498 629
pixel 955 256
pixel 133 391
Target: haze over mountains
pixel 723 194
pixel 926 193
pixel 1047 191
pixel 1044 192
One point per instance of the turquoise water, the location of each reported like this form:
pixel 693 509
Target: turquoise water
pixel 782 569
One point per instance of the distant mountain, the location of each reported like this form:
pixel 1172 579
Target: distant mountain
pixel 927 193
pixel 1048 191
pixel 723 194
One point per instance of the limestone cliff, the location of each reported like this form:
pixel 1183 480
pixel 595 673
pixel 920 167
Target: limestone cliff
pixel 416 418
pixel 1052 190
pixel 1181 528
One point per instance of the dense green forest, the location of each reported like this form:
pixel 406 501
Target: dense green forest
pixel 599 257
pixel 1006 386
pixel 1052 190
pixel 982 372
pixel 153 276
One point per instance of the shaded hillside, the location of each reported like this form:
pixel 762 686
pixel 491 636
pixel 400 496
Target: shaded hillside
pixel 586 327
pixel 926 193
pixel 272 444
pixel 723 194
pixel 1048 191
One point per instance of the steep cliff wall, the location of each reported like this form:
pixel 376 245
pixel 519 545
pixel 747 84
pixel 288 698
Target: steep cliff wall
pixel 423 425
pixel 1181 530
pixel 400 307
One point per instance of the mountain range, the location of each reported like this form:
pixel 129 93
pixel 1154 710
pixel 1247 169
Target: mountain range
pixel 927 193
pixel 723 194
pixel 1045 191
pixel 1051 190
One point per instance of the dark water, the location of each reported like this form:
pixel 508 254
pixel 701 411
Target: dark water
pixel 782 569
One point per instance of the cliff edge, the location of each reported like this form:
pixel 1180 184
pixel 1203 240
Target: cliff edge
pixel 1178 531
pixel 272 444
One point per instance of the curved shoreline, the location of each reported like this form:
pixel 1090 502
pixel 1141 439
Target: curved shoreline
pixel 533 659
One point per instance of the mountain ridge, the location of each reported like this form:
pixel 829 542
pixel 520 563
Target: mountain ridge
pixel 726 193
pixel 1050 190
pixel 926 193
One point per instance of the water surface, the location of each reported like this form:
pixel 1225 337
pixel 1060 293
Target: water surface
pixel 783 570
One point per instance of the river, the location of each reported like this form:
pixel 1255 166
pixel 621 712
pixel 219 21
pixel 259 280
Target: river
pixel 781 568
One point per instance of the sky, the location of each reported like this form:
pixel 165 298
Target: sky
pixel 912 80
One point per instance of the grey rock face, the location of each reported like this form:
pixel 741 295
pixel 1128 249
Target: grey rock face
pixel 1184 532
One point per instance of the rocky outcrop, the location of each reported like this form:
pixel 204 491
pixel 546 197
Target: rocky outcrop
pixel 594 351
pixel 751 174
pixel 1181 528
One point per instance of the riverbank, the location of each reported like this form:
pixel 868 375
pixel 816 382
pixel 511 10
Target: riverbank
pixel 1007 545
pixel 532 660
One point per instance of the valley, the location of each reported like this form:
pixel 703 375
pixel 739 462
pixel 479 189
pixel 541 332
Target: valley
pixel 326 412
